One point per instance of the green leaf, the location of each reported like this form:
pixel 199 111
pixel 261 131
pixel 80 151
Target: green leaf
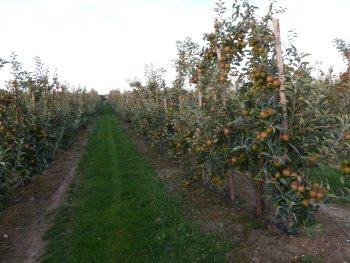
pixel 266 154
pixel 283 181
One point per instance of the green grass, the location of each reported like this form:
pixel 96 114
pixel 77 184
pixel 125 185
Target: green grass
pixel 310 260
pixel 251 222
pixel 331 176
pixel 327 174
pixel 120 211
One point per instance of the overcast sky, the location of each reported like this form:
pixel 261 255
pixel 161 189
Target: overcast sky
pixel 101 43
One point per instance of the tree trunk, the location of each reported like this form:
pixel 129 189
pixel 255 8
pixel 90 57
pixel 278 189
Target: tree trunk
pixel 259 201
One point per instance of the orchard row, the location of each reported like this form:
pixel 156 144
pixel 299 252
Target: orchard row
pixel 249 110
pixel 38 116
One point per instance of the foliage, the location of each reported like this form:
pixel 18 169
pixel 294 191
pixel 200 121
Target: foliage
pixel 343 47
pixel 236 117
pixel 38 116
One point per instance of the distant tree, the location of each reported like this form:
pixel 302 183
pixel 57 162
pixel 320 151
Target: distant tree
pixel 2 62
pixel 343 47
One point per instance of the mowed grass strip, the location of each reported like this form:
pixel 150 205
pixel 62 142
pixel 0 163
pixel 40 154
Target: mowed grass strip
pixel 120 212
pixel 331 176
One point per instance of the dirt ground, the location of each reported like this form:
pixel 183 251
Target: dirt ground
pixel 23 223
pixel 255 241
pixel 30 214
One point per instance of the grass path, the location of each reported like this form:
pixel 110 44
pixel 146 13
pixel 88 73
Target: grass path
pixel 120 212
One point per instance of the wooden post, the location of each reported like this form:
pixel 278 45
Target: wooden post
pixel 218 52
pixel 157 99
pixel 221 85
pixel 164 97
pixel 15 91
pixel 282 92
pixel 200 91
pixel 180 103
pixel 165 106
pixel 33 99
pixel 223 96
pixel 259 192
pixel 202 174
pixel 347 54
pixel 230 185
pixel 200 98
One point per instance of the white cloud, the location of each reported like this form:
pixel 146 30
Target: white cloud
pixel 101 43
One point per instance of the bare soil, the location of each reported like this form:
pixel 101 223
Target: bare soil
pixel 24 222
pixel 255 241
